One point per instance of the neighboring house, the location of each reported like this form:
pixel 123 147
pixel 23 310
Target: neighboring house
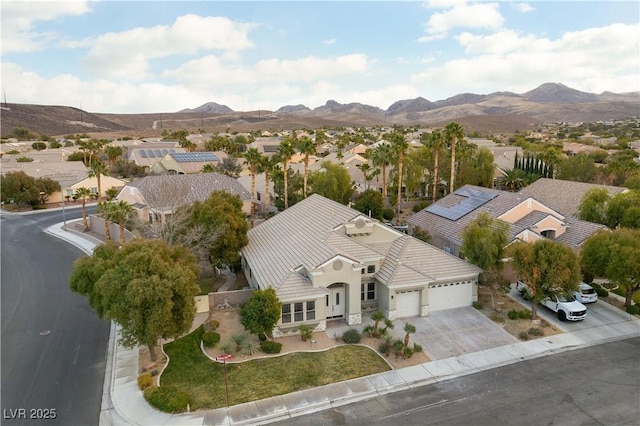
pixel 327 261
pixel 157 197
pixel 530 219
pixel 91 183
pixel 147 157
pixel 564 196
pixel 184 163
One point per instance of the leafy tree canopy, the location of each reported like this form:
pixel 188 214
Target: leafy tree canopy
pixel 370 202
pixel 145 286
pixel 615 255
pixel 333 182
pixel 262 312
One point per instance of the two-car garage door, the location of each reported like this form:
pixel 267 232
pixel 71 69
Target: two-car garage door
pixel 455 295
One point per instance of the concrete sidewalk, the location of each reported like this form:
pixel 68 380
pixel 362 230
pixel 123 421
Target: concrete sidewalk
pixel 123 403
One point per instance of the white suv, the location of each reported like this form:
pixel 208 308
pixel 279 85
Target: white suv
pixel 586 294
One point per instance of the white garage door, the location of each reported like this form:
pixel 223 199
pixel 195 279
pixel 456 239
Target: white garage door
pixel 450 296
pixel 407 303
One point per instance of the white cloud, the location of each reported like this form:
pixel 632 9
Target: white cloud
pixel 523 7
pixel 127 53
pixel 18 17
pixel 462 15
pixel 330 41
pixel 592 60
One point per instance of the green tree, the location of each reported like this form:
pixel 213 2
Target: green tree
pixel 623 210
pixel 253 158
pixel 332 181
pixel 615 255
pixel 261 313
pixel 221 213
pixel 370 203
pixel 377 316
pixel 229 167
pixel 483 244
pixel 208 168
pixel 399 146
pixel 82 194
pixel 434 142
pixel 578 168
pixel 120 212
pixel 513 179
pixel 46 186
pixel 285 152
pixel 593 207
pixel 113 153
pixel 145 286
pixel 408 329
pixel 23 190
pixel 453 133
pixel 381 157
pixel 267 165
pixel 104 210
pixel 547 267
pixel 97 169
pixel 306 147
pixel 111 193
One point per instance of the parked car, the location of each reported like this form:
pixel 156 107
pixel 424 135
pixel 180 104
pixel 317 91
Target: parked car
pixel 586 294
pixel 566 307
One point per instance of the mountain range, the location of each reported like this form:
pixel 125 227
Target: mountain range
pixel 494 112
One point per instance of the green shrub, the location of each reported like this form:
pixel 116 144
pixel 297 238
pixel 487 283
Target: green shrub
pixel 524 314
pixel 419 206
pixel 595 285
pixel 633 309
pixel 387 214
pixel 39 146
pixel 351 336
pixel 534 331
pixel 210 339
pixel 408 352
pixel 513 314
pixel 417 348
pixel 523 335
pixel 167 398
pixel 386 346
pixel 496 318
pixel 478 305
pixel 305 332
pixel 24 159
pixel 39 207
pixel 262 337
pixel 601 292
pixel 145 380
pixel 211 325
pixel 249 348
pixel 13 152
pixel 269 347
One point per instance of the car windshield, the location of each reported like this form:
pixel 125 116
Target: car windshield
pixel 588 291
pixel 562 298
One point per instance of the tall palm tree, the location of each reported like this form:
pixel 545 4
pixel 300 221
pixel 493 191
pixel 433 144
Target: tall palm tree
pixel 435 141
pixel 119 212
pixel 365 168
pixel 306 148
pixel 453 133
pixel 252 158
pixel 285 152
pixel 98 168
pixel 266 166
pixel 104 209
pixel 82 194
pixel 113 152
pixel 381 156
pixel 399 146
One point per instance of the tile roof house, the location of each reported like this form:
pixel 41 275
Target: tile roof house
pixel 326 261
pixel 564 196
pixel 529 218
pixel 156 197
pixel 184 162
pixel 147 156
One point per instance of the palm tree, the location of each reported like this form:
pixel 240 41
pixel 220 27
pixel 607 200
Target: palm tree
pixel 513 179
pixel 408 329
pixel 207 168
pixel 399 145
pixel 453 133
pixel 285 152
pixel 435 142
pixel 252 158
pixel 364 168
pixel 119 212
pixel 306 148
pixel 104 209
pixel 113 152
pixel 98 169
pixel 377 316
pixel 266 166
pixel 382 157
pixel 83 193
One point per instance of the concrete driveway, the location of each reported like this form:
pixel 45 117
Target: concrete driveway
pixel 598 314
pixel 454 332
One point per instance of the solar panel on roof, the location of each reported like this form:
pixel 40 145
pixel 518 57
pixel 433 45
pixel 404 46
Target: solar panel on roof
pixel 143 154
pixel 151 153
pixel 158 153
pixel 194 157
pixel 165 151
pixel 474 200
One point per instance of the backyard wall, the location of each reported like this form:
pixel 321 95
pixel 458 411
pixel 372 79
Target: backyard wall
pixel 228 299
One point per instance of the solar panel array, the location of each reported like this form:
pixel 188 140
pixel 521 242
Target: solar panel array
pixel 155 153
pixel 270 148
pixel 193 157
pixel 474 200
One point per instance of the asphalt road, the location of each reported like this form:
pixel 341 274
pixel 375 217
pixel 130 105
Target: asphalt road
pixel 596 385
pixel 53 345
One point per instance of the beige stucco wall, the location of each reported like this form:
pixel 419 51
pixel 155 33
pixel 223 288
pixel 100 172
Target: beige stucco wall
pixel 551 223
pixel 521 210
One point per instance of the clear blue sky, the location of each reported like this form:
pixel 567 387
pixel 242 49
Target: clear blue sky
pixel 163 56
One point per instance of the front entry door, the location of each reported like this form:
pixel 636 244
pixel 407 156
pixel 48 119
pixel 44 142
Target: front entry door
pixel 335 302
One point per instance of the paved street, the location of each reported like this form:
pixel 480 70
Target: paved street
pixel 53 346
pixel 595 385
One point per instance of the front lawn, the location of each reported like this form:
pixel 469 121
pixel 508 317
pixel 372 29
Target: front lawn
pixel 191 371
